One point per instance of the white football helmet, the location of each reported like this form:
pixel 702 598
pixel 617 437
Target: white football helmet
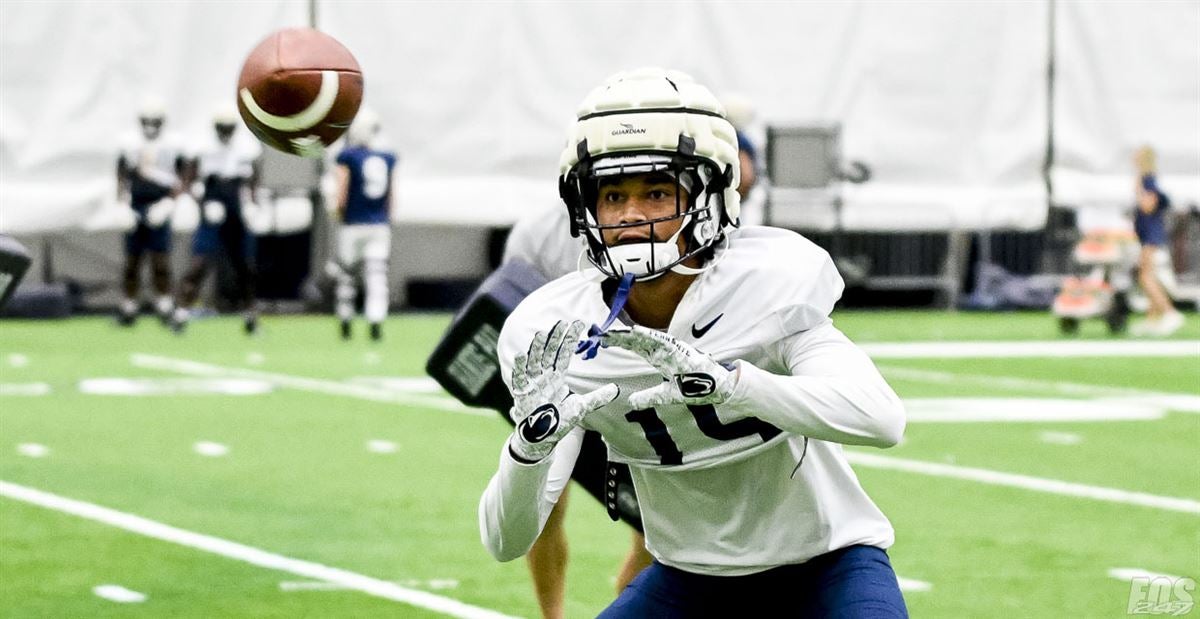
pixel 364 129
pixel 224 119
pixel 652 120
pixel 152 113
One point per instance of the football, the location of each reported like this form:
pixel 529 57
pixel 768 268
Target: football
pixel 299 91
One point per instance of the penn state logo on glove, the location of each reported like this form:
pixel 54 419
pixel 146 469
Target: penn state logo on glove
pixel 690 376
pixel 695 384
pixel 539 386
pixel 541 423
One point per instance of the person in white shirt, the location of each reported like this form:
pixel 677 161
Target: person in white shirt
pixel 150 174
pixel 712 368
pixel 228 170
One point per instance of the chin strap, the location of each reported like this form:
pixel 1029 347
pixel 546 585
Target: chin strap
pixel 589 347
pixel 686 270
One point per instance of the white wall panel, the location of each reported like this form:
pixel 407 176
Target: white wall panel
pixel 72 75
pixel 945 100
pixel 1128 74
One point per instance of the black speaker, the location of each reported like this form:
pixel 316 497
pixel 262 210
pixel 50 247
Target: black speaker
pixel 464 362
pixel 14 262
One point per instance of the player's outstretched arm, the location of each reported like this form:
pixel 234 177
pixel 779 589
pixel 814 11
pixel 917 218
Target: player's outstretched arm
pixel 519 498
pixel 517 501
pixel 834 392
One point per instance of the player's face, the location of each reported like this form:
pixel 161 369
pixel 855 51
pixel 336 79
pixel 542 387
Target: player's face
pixel 635 198
pixel 224 132
pixel 151 127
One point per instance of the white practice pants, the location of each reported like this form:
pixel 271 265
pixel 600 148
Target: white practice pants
pixel 366 247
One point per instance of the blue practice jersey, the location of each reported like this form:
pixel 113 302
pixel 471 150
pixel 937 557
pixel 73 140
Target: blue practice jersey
pixel 1151 228
pixel 370 185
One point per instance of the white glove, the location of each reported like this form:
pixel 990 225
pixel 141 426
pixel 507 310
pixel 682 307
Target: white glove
pixel 125 217
pixel 694 377
pixel 214 213
pixel 159 213
pixel 256 218
pixel 544 408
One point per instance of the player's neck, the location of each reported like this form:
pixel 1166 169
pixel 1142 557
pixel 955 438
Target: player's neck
pixel 652 303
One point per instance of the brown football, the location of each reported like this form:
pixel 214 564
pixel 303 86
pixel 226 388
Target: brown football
pixel 299 91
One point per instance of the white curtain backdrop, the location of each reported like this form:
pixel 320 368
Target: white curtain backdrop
pixel 946 101
pixel 1128 74
pixel 73 74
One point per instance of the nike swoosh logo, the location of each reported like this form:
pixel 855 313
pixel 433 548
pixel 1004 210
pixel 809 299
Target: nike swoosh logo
pixel 699 332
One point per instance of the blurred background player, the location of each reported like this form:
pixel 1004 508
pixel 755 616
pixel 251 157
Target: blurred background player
pixel 150 174
pixel 741 114
pixel 543 239
pixel 14 263
pixel 1154 262
pixel 364 241
pixel 228 170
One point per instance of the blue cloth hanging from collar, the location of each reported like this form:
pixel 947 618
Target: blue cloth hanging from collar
pixel 589 347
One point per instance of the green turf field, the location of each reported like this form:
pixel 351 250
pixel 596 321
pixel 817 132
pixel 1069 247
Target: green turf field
pixel 294 474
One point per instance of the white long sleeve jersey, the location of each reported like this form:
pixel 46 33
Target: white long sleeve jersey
pixel 153 159
pixel 753 483
pixel 228 161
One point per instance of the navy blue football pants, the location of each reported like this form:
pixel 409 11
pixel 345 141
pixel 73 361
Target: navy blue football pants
pixel 852 582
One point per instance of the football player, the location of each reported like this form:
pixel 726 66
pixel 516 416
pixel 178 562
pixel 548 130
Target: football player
pixel 150 175
pixel 543 240
pixel 228 169
pixel 712 369
pixel 364 241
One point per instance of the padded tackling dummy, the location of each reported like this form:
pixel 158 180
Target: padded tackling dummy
pixel 14 261
pixel 464 363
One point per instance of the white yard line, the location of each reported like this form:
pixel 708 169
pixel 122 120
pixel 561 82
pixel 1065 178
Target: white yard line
pixel 174 386
pixel 406 384
pixel 24 389
pixel 312 585
pixel 210 449
pixel 247 554
pixel 1021 384
pixel 1129 573
pixel 33 450
pixel 329 387
pixel 119 594
pixel 381 446
pixel 1027 410
pixel 1060 438
pixel 309 585
pixel 908 584
pixel 1025 482
pixel 1039 349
